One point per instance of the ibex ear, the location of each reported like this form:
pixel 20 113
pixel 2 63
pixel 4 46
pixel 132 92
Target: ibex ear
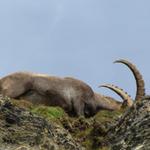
pixel 126 98
pixel 138 77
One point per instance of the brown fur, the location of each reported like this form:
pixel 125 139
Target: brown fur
pixel 68 93
pixel 74 96
pixel 107 103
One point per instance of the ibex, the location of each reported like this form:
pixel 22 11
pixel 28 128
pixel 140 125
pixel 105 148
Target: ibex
pixel 69 93
pixel 74 96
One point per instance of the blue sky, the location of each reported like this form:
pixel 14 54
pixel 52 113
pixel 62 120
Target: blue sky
pixel 79 38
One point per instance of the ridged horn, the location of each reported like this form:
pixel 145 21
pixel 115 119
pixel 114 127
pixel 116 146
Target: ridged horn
pixel 140 85
pixel 126 98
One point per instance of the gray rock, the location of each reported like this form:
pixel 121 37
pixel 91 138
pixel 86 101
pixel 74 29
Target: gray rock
pixel 132 132
pixel 21 130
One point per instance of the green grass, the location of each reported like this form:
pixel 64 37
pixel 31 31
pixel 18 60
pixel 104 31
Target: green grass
pixel 48 112
pixel 105 116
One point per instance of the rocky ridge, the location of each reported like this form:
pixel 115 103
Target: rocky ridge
pixel 20 129
pixel 23 130
pixel 132 131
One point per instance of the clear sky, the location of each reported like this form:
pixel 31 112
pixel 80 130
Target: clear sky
pixel 79 38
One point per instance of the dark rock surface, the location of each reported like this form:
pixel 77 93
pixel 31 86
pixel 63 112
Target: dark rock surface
pixel 20 129
pixel 132 132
